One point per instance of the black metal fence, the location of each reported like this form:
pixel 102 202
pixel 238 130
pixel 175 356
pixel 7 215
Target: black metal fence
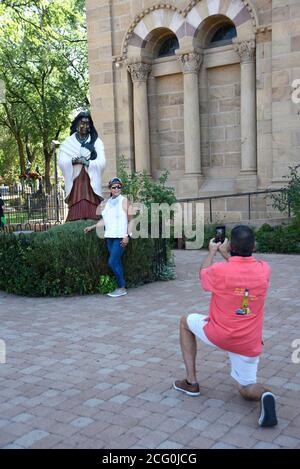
pixel 160 256
pixel 246 205
pixel 23 228
pixel 25 206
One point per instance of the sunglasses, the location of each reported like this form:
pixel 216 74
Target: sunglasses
pixel 116 187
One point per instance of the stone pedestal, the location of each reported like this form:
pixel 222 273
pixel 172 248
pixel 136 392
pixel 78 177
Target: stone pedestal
pixel 246 182
pixel 189 186
pixel 139 73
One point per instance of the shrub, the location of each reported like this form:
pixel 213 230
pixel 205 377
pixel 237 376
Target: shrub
pixel 290 195
pixel 168 273
pixel 283 239
pixel 65 261
pixel 140 187
pixel 107 284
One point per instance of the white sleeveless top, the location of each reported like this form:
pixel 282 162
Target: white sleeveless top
pixel 115 218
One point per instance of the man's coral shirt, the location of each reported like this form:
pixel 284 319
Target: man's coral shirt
pixel 227 281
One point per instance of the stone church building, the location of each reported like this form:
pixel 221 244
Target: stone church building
pixel 200 88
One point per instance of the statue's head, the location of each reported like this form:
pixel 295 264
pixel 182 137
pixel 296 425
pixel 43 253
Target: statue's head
pixel 83 125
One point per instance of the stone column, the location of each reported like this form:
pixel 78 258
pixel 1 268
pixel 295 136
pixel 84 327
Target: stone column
pixel 191 63
pixel 139 74
pixel 246 51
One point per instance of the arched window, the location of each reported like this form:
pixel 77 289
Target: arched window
pixel 223 35
pixel 168 46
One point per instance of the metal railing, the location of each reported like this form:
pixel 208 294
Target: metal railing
pixel 159 256
pixel 23 228
pixel 239 194
pixel 25 206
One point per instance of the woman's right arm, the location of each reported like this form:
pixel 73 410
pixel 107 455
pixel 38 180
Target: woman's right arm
pixel 100 223
pixel 89 228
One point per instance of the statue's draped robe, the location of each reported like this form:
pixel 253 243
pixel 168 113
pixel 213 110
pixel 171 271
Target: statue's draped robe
pixel 83 185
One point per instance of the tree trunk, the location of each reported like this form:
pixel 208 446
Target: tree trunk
pixel 47 156
pixel 21 154
pixel 14 129
pixel 30 153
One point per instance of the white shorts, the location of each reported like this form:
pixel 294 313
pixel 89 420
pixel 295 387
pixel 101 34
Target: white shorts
pixel 243 369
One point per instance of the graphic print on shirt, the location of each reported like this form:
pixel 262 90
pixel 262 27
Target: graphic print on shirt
pixel 245 309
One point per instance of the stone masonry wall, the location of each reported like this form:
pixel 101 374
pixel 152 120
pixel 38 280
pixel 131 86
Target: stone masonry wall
pixel 278 118
pixel 224 143
pixel 166 126
pixel 285 68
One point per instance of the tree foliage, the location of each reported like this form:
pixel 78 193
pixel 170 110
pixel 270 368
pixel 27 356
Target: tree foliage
pixel 140 187
pixel 8 150
pixel 43 63
pixel 289 197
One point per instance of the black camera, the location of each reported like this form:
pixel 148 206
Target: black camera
pixel 220 234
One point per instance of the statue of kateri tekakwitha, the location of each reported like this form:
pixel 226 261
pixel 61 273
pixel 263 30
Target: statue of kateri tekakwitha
pixel 82 161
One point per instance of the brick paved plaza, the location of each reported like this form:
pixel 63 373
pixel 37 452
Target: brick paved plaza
pixel 96 372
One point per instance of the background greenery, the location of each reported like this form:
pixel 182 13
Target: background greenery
pixel 43 64
pixel 289 198
pixel 140 187
pixel 282 239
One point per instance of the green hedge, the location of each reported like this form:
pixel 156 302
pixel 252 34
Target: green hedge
pixel 64 261
pixel 284 239
pixel 281 239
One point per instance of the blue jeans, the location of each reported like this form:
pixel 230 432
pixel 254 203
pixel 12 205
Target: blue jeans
pixel 116 251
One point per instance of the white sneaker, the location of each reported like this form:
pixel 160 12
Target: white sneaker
pixel 117 292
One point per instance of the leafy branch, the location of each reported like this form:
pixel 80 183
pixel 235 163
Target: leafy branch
pixel 289 197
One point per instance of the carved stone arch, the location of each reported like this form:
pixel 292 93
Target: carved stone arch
pixel 160 16
pixel 240 12
pixel 214 7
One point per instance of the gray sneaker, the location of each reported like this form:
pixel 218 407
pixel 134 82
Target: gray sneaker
pixel 118 292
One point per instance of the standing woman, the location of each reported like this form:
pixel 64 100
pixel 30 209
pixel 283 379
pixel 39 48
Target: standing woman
pixel 117 225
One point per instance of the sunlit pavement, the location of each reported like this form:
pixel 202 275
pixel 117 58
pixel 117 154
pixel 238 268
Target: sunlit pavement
pixel 97 372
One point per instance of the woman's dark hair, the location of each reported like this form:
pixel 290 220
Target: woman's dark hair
pixel 242 241
pixel 93 132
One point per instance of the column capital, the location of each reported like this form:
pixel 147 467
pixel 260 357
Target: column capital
pixel 139 71
pixel 190 62
pixel 246 50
